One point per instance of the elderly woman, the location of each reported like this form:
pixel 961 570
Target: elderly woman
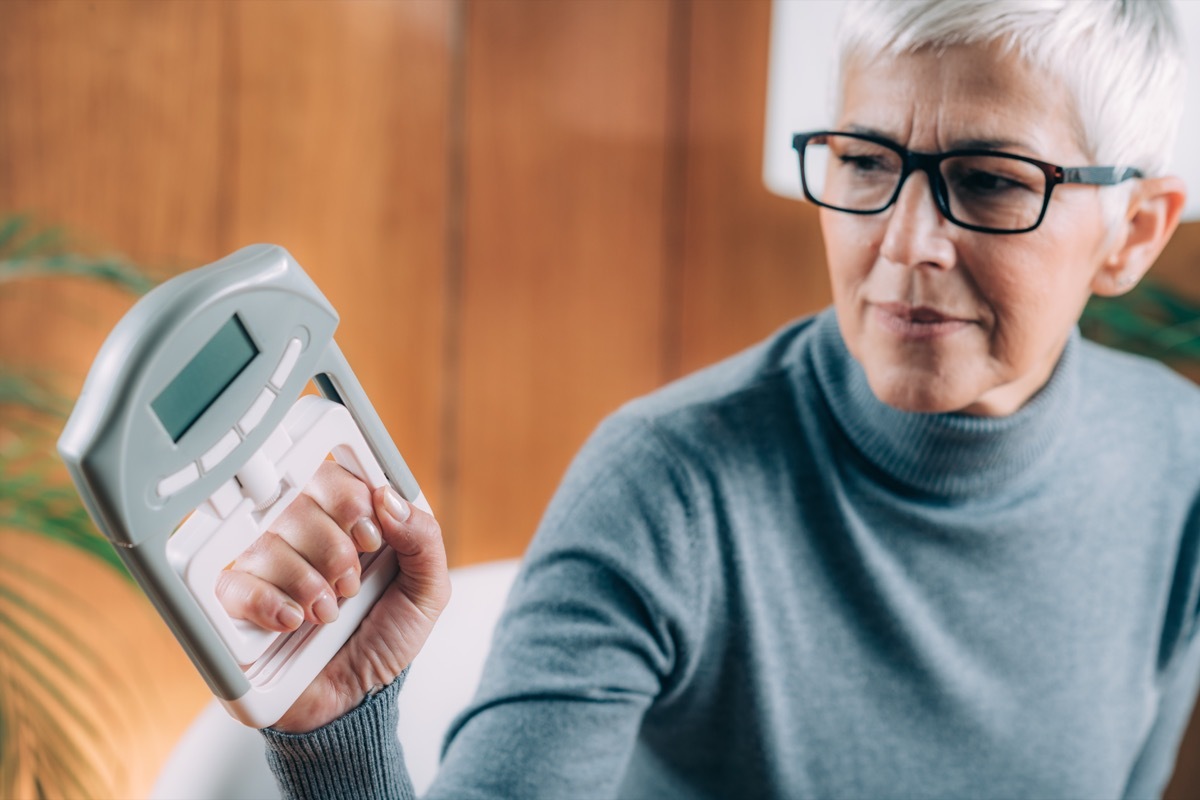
pixel 928 543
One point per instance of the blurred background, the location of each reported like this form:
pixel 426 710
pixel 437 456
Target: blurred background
pixel 527 212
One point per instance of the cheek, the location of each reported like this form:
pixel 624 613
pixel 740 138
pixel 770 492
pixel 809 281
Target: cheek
pixel 850 251
pixel 850 254
pixel 1033 301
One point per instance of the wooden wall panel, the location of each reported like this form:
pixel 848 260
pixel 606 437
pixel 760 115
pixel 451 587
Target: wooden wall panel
pixel 107 111
pixel 1179 264
pixel 751 260
pixel 335 142
pixel 562 280
pixel 176 132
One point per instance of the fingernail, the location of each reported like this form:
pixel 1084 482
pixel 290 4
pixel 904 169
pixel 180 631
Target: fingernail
pixel 347 585
pixel 325 608
pixel 396 505
pixel 366 535
pixel 290 616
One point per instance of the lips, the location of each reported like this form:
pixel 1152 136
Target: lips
pixel 918 322
pixel 919 314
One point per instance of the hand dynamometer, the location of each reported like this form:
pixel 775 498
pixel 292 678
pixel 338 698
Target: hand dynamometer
pixel 192 435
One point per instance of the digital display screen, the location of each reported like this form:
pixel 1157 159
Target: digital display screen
pixel 200 383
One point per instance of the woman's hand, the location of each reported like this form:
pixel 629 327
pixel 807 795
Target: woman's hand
pixel 309 559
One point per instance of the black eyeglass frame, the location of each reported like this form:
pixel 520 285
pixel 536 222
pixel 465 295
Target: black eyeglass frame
pixel 929 163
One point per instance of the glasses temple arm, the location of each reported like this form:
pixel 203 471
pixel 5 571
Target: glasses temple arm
pixel 1099 176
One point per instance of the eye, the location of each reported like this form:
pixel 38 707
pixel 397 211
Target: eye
pixel 981 182
pixel 992 177
pixel 864 163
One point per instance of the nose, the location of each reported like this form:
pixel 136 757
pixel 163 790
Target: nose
pixel 917 234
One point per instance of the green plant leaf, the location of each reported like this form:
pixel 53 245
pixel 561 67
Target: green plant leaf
pixel 19 388
pixel 109 270
pixel 54 741
pixel 10 229
pixel 30 251
pixel 1152 320
pixel 30 498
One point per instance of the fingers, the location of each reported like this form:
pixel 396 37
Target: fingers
pixel 347 501
pixel 395 629
pixel 397 625
pixel 322 541
pixel 309 560
pixel 248 596
pixel 275 573
pixel 417 539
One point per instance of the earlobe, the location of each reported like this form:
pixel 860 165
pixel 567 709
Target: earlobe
pixel 1155 206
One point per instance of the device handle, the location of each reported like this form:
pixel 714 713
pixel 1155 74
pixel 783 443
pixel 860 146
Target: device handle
pixel 244 508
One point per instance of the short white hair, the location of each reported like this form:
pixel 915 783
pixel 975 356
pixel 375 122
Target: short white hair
pixel 1121 60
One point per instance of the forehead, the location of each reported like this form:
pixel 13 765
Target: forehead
pixel 965 96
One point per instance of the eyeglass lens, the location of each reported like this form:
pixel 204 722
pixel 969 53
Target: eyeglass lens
pixel 987 191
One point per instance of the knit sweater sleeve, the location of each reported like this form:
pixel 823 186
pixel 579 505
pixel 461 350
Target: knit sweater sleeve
pixel 355 756
pixel 1180 667
pixel 1152 771
pixel 602 623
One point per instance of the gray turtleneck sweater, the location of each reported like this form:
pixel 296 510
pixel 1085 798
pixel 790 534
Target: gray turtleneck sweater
pixel 762 582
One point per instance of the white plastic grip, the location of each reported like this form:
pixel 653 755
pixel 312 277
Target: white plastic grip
pixel 278 665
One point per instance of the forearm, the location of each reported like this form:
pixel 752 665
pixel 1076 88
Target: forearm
pixel 356 756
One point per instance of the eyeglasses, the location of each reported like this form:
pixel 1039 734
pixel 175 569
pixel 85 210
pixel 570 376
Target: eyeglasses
pixel 980 190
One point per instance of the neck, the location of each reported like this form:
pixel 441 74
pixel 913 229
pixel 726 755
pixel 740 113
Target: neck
pixel 945 454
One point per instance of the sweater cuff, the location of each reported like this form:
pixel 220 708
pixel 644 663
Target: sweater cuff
pixel 357 755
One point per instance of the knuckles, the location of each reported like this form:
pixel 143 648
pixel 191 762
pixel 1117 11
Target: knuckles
pixel 344 497
pixel 308 588
pixel 339 555
pixel 424 527
pixel 267 572
pixel 272 560
pixel 245 598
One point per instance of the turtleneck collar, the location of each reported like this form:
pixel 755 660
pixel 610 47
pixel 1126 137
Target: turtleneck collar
pixel 942 454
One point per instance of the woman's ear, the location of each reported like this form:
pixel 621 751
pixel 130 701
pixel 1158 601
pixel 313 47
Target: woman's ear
pixel 1155 205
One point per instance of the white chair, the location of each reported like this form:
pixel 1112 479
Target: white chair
pixel 219 759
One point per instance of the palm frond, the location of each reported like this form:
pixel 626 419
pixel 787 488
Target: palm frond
pixel 33 493
pixel 21 388
pixel 28 250
pixel 79 714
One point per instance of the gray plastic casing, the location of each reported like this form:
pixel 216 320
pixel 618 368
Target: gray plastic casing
pixel 117 450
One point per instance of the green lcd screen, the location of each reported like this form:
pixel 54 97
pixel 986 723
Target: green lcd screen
pixel 200 383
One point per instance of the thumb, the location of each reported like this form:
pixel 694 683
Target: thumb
pixel 417 539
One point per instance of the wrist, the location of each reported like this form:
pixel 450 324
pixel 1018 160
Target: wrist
pixel 326 702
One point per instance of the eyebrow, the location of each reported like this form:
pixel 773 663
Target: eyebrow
pixel 958 144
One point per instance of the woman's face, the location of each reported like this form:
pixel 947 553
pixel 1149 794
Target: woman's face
pixel 942 318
